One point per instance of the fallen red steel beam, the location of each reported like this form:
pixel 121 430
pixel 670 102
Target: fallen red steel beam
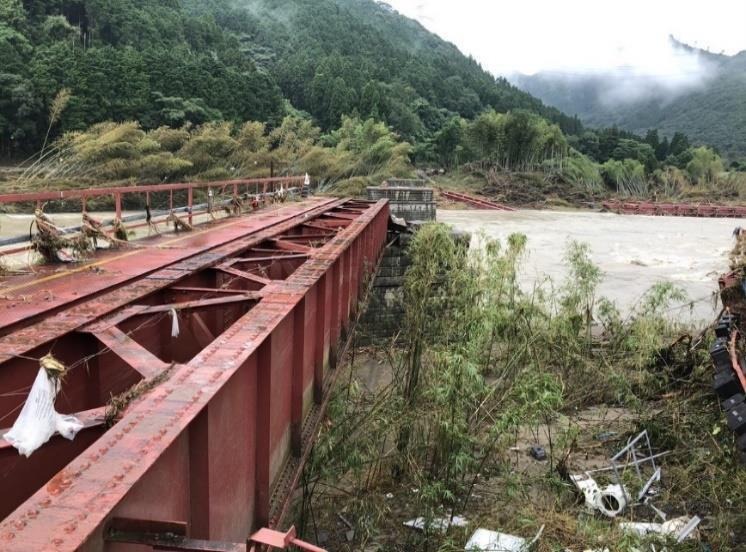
pixel 675 209
pixel 205 446
pixel 478 202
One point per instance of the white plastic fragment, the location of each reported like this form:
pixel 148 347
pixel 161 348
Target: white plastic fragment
pixel 680 528
pixel 688 529
pixel 174 323
pixel 494 541
pixel 439 524
pixel 484 539
pixel 588 486
pixel 38 419
pixel 611 501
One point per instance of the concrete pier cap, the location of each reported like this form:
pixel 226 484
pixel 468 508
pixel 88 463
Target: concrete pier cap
pixel 410 199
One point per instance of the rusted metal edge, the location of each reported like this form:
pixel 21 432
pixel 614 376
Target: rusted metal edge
pixel 697 210
pixel 95 482
pixel 282 496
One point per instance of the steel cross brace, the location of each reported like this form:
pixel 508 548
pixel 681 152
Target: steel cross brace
pixel 171 536
pixel 283 541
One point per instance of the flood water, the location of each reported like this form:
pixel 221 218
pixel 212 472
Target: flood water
pixel 634 252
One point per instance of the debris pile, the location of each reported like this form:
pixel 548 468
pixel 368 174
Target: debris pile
pixel 726 352
pixel 94 230
pixel 50 241
pixel 180 225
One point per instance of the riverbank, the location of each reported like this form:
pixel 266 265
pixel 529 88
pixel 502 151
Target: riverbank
pixel 538 190
pixel 492 397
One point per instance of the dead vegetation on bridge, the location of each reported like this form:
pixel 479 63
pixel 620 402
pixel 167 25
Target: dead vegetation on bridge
pixel 439 425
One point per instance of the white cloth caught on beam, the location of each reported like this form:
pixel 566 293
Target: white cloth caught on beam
pixel 38 419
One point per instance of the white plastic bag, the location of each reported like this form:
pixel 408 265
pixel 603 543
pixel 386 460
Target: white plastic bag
pixel 38 419
pixel 175 323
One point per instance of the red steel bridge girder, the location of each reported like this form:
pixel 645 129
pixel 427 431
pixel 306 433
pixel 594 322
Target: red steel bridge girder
pixel 209 446
pixel 675 209
pixel 474 201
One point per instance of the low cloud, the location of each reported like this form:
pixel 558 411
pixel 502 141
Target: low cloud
pixel 679 70
pixel 672 69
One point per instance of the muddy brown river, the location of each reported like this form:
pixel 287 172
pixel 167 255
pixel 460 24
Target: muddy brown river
pixel 634 252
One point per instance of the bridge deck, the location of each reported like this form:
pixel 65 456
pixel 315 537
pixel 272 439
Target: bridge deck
pixel 262 303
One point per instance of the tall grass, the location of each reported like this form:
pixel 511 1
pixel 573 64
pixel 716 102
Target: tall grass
pixel 359 153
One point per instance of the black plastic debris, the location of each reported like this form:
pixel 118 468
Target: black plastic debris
pixel 720 354
pixel 538 453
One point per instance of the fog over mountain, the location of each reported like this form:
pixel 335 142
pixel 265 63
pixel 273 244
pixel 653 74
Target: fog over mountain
pixel 700 93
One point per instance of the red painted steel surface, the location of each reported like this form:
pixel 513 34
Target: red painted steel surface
pixel 478 202
pixel 675 209
pixel 26 297
pixel 262 304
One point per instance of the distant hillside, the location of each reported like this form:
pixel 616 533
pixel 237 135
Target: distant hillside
pixel 177 62
pixel 710 107
pixel 332 57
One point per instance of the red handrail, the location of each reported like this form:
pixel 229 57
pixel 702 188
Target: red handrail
pixel 258 186
pixel 145 188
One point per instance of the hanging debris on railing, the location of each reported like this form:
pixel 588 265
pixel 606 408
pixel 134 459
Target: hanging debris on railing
pixel 235 208
pixel 50 241
pixel 210 203
pixel 180 225
pixel 120 230
pixel 38 419
pixel 152 227
pixel 94 230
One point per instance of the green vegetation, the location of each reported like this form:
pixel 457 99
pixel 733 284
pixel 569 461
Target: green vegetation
pixel 174 63
pixel 359 153
pixel 349 91
pixel 524 159
pixel 134 60
pixel 439 423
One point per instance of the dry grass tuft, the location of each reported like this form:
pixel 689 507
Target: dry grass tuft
pixel 118 404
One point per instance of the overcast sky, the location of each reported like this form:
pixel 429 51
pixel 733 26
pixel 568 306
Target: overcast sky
pixel 527 36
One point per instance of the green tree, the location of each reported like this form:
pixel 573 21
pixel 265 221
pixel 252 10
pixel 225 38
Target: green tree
pixel 679 144
pixel 642 152
pixel 12 14
pixel 447 143
pixel 705 165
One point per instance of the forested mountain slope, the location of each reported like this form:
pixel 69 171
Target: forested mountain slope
pixel 174 62
pixel 333 57
pixel 121 60
pixel 711 111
